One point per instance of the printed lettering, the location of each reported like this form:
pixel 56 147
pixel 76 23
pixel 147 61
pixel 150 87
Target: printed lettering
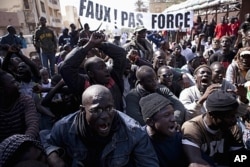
pixel 124 18
pixel 90 10
pixel 107 14
pixel 240 158
pixel 139 18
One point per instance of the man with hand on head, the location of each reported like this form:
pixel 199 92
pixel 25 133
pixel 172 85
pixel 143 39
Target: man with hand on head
pixel 98 135
pixel 194 97
pixel 95 68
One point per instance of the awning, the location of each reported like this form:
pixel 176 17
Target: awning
pixel 196 4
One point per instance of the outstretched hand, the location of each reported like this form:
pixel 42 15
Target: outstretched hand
pixel 241 91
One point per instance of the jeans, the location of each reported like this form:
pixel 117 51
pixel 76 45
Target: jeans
pixel 52 60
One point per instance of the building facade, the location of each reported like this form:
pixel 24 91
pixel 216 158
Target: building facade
pixel 158 6
pixel 28 13
pixel 71 16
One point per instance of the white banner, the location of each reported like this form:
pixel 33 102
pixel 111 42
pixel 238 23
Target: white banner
pixel 125 18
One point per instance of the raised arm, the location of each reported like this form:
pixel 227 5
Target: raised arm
pixel 69 70
pixel 118 54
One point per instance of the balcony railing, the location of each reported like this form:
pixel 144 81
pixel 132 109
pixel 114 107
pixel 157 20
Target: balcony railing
pixel 53 2
pixel 56 20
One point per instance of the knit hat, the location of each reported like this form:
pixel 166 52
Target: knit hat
pixel 11 144
pixel 151 104
pixel 220 101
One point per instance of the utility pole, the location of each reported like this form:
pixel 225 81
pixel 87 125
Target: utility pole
pixel 37 13
pixel 244 9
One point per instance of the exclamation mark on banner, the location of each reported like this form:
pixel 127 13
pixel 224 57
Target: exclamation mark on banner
pixel 115 15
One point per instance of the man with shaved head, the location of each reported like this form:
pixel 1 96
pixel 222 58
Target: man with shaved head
pixel 218 75
pixel 98 135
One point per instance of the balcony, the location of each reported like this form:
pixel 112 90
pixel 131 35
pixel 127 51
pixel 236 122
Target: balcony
pixel 54 4
pixel 56 22
pixel 27 6
pixel 29 16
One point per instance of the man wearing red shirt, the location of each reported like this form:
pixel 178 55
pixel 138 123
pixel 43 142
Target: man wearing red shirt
pixel 221 29
pixel 233 28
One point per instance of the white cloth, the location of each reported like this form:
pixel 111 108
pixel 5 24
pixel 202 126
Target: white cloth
pixel 187 53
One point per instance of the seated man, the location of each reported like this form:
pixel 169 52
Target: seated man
pixel 158 114
pixel 18 114
pixel 95 68
pixel 147 84
pixel 98 135
pixel 165 77
pixel 213 137
pixel 194 97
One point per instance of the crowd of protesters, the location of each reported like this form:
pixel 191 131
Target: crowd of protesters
pixel 139 100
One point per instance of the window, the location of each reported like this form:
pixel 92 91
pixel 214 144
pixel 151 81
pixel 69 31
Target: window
pixel 43 7
pixel 50 12
pixel 26 4
pixel 54 2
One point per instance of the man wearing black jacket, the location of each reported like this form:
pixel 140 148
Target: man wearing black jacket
pixel 95 68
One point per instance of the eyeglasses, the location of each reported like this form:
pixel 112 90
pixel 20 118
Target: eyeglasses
pixel 98 111
pixel 167 75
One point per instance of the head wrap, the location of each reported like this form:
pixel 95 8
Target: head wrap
pixel 245 52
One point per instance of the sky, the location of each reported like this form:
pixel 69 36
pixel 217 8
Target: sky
pixel 128 4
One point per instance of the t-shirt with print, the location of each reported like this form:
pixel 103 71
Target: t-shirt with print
pixel 214 145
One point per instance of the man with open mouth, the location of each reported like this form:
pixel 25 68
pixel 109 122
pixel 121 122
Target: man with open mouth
pixel 98 135
pixel 194 97
pixel 161 127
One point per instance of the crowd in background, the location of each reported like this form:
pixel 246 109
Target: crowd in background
pixel 140 99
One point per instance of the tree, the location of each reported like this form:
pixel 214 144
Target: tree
pixel 140 6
